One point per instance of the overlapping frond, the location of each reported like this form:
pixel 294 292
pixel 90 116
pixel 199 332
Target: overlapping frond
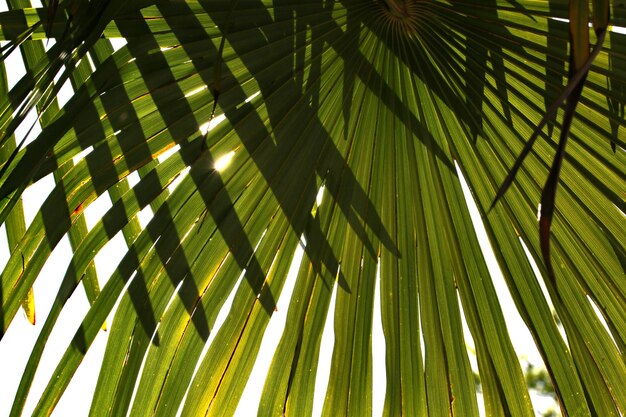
pixel 383 105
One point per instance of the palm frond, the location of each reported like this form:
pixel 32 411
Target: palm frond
pixel 384 109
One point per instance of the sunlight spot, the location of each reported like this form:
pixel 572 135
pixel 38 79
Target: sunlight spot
pixel 82 154
pixel 144 216
pixel 35 195
pixel 117 43
pixel 50 43
pixel 179 178
pixel 611 28
pixel 539 212
pixel 196 91
pixel 224 161
pixel 91 63
pixel 249 99
pixel 65 93
pixel 379 348
pixel 30 128
pixel 171 151
pixel 320 195
pixel 318 200
pixel 618 29
pixel 422 342
pixel 96 210
pixel 133 178
pixel 107 260
pixel 208 126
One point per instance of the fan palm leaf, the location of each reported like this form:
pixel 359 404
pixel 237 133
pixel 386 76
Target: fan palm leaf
pixel 382 109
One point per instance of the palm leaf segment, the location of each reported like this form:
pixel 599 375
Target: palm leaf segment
pixel 382 106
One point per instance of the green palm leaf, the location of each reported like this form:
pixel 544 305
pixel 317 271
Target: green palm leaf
pixel 382 105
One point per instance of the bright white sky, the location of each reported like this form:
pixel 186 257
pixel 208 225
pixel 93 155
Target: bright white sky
pixel 16 345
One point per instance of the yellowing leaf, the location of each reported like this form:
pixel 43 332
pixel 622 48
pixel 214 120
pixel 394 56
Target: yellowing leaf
pixel 28 305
